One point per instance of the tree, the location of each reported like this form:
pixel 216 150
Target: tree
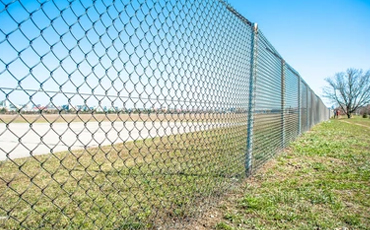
pixel 3 110
pixel 350 89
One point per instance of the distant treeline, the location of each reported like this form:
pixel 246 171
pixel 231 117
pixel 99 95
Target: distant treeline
pixel 146 111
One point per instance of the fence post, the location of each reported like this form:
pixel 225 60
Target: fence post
pixel 308 109
pixel 282 103
pixel 251 105
pixel 299 107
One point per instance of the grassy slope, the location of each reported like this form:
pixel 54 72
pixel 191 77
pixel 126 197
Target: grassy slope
pixel 321 182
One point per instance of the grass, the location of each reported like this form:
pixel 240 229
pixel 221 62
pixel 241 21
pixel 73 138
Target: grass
pixel 359 120
pixel 322 181
pixel 134 185
pixel 267 137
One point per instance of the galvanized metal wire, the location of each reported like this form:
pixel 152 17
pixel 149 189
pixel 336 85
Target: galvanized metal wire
pixel 136 114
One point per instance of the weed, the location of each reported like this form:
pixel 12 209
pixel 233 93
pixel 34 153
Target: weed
pixel 223 226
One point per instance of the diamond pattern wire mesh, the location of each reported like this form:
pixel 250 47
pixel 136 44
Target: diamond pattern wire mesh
pixel 136 114
pixel 267 133
pixel 291 110
pixel 304 107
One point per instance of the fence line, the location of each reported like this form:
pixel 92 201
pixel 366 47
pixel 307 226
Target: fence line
pixel 139 114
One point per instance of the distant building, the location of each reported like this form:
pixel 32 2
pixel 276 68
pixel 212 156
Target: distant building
pixel 38 107
pixel 99 109
pixel 4 104
pixel 51 107
pixel 27 108
pixel 13 107
pixel 82 108
pixel 65 107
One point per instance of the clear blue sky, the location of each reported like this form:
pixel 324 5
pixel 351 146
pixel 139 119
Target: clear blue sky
pixel 82 47
pixel 317 37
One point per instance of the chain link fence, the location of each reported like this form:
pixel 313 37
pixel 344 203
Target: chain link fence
pixel 136 114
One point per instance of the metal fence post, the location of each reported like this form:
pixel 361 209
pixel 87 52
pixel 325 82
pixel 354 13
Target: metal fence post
pixel 282 103
pixel 252 91
pixel 308 109
pixel 299 107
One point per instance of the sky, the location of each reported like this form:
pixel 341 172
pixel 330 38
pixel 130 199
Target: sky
pixel 168 52
pixel 142 54
pixel 318 38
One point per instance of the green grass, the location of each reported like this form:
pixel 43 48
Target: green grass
pixel 359 120
pixel 135 185
pixel 321 182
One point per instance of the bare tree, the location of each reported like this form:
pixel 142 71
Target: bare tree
pixel 350 89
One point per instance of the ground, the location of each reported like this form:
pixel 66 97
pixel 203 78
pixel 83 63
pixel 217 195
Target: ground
pixel 322 181
pixel 135 185
pixel 88 117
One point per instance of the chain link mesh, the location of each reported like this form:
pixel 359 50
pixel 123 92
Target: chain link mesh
pixel 136 114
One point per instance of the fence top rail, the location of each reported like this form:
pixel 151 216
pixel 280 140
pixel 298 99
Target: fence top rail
pixel 236 13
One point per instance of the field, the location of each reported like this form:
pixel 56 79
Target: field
pixel 322 181
pixel 136 185
pixel 52 118
pixel 357 120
